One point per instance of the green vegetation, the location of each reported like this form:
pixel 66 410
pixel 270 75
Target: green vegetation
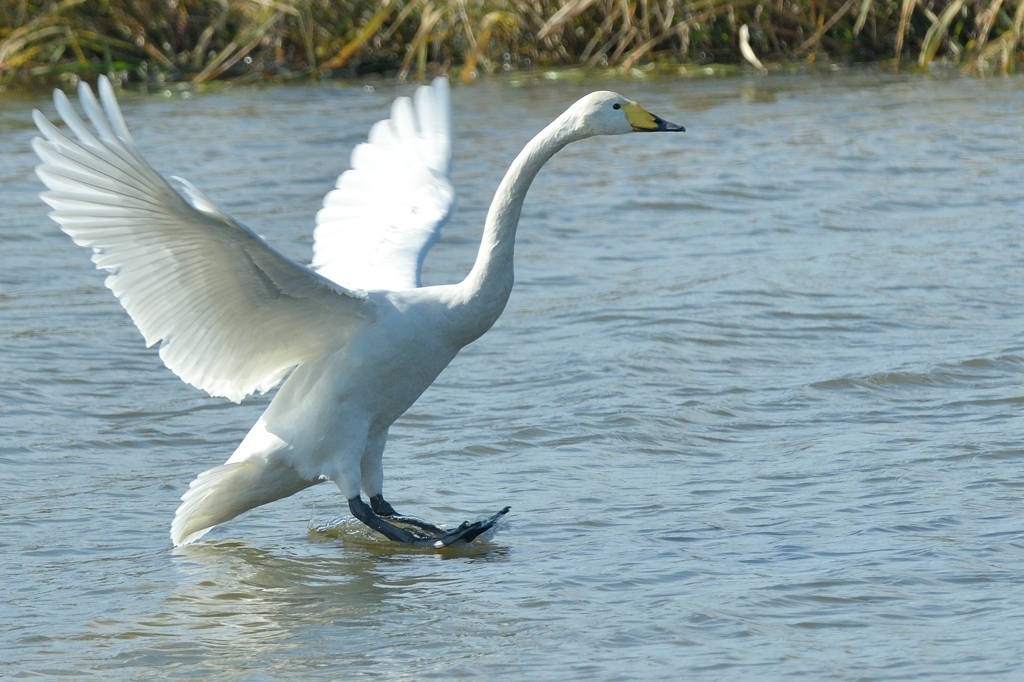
pixel 46 41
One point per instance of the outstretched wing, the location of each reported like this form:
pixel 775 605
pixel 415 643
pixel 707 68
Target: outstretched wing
pixel 233 314
pixel 377 226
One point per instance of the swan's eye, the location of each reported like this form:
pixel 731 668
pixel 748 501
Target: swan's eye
pixel 616 106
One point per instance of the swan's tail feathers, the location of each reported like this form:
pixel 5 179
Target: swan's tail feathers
pixel 222 493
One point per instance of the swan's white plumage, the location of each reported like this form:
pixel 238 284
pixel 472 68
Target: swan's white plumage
pixel 377 225
pixel 222 493
pixel 232 314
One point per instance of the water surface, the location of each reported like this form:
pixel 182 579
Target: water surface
pixel 756 403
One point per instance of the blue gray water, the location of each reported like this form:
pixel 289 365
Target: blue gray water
pixel 757 403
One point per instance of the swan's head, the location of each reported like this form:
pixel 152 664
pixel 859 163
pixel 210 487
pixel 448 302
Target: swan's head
pixel 609 113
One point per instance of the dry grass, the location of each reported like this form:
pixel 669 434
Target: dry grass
pixel 200 40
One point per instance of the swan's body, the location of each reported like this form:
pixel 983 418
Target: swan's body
pixel 235 316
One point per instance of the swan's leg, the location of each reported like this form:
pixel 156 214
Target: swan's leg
pixel 381 516
pixel 372 473
pixel 467 532
pixel 383 508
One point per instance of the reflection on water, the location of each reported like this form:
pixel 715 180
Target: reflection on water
pixel 231 603
pixel 755 403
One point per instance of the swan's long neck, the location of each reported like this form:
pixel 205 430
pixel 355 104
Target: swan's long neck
pixel 484 292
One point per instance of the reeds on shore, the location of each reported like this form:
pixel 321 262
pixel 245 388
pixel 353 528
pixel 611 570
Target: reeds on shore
pixel 46 41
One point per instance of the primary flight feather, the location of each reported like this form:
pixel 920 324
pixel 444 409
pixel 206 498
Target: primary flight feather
pixel 354 333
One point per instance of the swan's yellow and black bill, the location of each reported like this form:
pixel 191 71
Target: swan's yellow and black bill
pixel 644 121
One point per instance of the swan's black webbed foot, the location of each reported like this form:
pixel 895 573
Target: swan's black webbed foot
pixel 468 532
pixel 434 537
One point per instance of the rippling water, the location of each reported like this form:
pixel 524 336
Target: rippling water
pixel 757 403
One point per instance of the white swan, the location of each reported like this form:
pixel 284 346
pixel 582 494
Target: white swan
pixel 747 51
pixel 361 339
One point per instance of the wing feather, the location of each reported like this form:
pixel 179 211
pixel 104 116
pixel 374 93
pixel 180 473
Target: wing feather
pixel 376 227
pixel 232 315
